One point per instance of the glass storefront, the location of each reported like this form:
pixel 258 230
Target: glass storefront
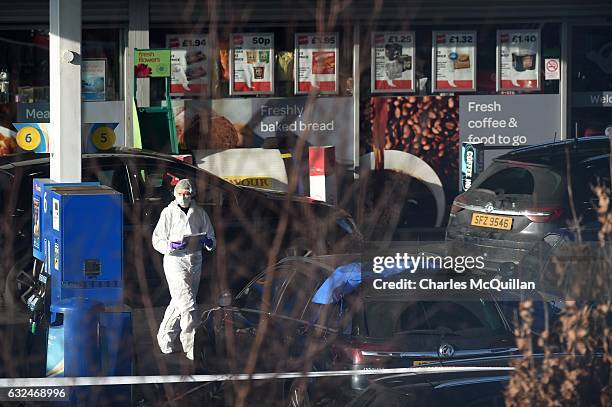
pixel 422 89
pixel 24 76
pixel 591 80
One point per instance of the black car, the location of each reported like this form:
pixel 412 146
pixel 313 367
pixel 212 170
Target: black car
pixel 471 388
pixel 247 221
pixel 478 382
pixel 528 197
pixel 279 324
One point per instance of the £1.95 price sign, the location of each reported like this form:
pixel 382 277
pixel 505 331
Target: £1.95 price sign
pixel 518 60
pixel 316 63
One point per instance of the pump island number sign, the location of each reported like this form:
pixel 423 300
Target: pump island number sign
pixel 518 60
pixel 316 65
pixel 454 61
pixel 252 64
pixel 393 62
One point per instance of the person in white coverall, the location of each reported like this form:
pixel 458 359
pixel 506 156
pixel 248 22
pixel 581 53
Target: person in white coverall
pixel 182 265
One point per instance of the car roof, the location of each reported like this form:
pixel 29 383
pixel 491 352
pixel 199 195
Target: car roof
pixel 554 154
pixel 29 158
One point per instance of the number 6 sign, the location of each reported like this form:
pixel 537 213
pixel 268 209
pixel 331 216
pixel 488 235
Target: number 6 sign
pixel 32 137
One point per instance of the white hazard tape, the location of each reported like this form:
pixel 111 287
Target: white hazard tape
pixel 127 380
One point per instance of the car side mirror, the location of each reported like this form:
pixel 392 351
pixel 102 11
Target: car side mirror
pixel 225 300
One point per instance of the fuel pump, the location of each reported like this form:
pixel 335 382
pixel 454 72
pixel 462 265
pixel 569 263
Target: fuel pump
pixel 78 231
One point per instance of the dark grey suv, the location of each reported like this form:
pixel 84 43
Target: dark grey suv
pixel 529 196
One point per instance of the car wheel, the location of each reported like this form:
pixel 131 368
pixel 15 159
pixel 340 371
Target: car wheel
pixel 19 281
pixel 298 394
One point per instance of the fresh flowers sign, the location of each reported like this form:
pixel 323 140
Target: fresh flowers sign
pixel 152 63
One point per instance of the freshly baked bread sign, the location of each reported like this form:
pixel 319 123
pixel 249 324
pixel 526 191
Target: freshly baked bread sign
pixel 454 61
pixel 393 62
pixel 518 60
pixel 316 65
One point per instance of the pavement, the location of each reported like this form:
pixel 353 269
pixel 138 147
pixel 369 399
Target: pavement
pixel 149 361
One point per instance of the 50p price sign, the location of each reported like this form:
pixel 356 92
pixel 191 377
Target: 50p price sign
pixel 252 64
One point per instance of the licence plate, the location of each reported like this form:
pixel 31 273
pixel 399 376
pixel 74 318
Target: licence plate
pixel 492 221
pixel 422 362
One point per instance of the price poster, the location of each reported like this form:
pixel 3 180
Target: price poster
pixel 518 60
pixel 252 64
pixel 190 64
pixel 93 79
pixel 316 65
pixel 454 61
pixel 393 62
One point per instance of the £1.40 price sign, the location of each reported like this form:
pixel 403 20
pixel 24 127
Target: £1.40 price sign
pixel 518 60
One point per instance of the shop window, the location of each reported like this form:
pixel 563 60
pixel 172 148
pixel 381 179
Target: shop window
pixel 591 71
pixel 24 75
pixel 100 67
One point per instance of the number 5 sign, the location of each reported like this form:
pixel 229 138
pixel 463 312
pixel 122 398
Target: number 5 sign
pixel 100 137
pixel 32 137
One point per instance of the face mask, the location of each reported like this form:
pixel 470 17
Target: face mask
pixel 183 201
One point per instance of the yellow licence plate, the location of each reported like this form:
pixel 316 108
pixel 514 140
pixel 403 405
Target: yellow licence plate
pixel 421 362
pixel 491 221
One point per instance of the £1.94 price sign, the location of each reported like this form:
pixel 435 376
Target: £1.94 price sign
pixel 190 58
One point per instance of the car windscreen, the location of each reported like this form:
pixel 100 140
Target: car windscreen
pixel 391 317
pixel 524 185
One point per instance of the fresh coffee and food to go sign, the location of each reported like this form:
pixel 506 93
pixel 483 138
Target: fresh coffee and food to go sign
pixel 508 121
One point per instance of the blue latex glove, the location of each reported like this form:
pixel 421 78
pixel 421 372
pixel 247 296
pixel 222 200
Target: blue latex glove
pixel 207 242
pixel 178 245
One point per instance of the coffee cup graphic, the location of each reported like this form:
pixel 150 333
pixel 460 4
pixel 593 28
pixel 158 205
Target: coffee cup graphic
pixel 523 62
pixel 259 71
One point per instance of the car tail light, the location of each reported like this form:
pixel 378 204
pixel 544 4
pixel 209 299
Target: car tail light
pixel 458 203
pixel 358 357
pixel 543 215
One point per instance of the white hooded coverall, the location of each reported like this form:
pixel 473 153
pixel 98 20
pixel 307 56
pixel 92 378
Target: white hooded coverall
pixel 183 269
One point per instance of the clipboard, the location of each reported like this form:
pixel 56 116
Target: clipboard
pixel 194 241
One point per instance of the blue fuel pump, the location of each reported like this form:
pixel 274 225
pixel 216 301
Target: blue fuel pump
pixel 78 229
